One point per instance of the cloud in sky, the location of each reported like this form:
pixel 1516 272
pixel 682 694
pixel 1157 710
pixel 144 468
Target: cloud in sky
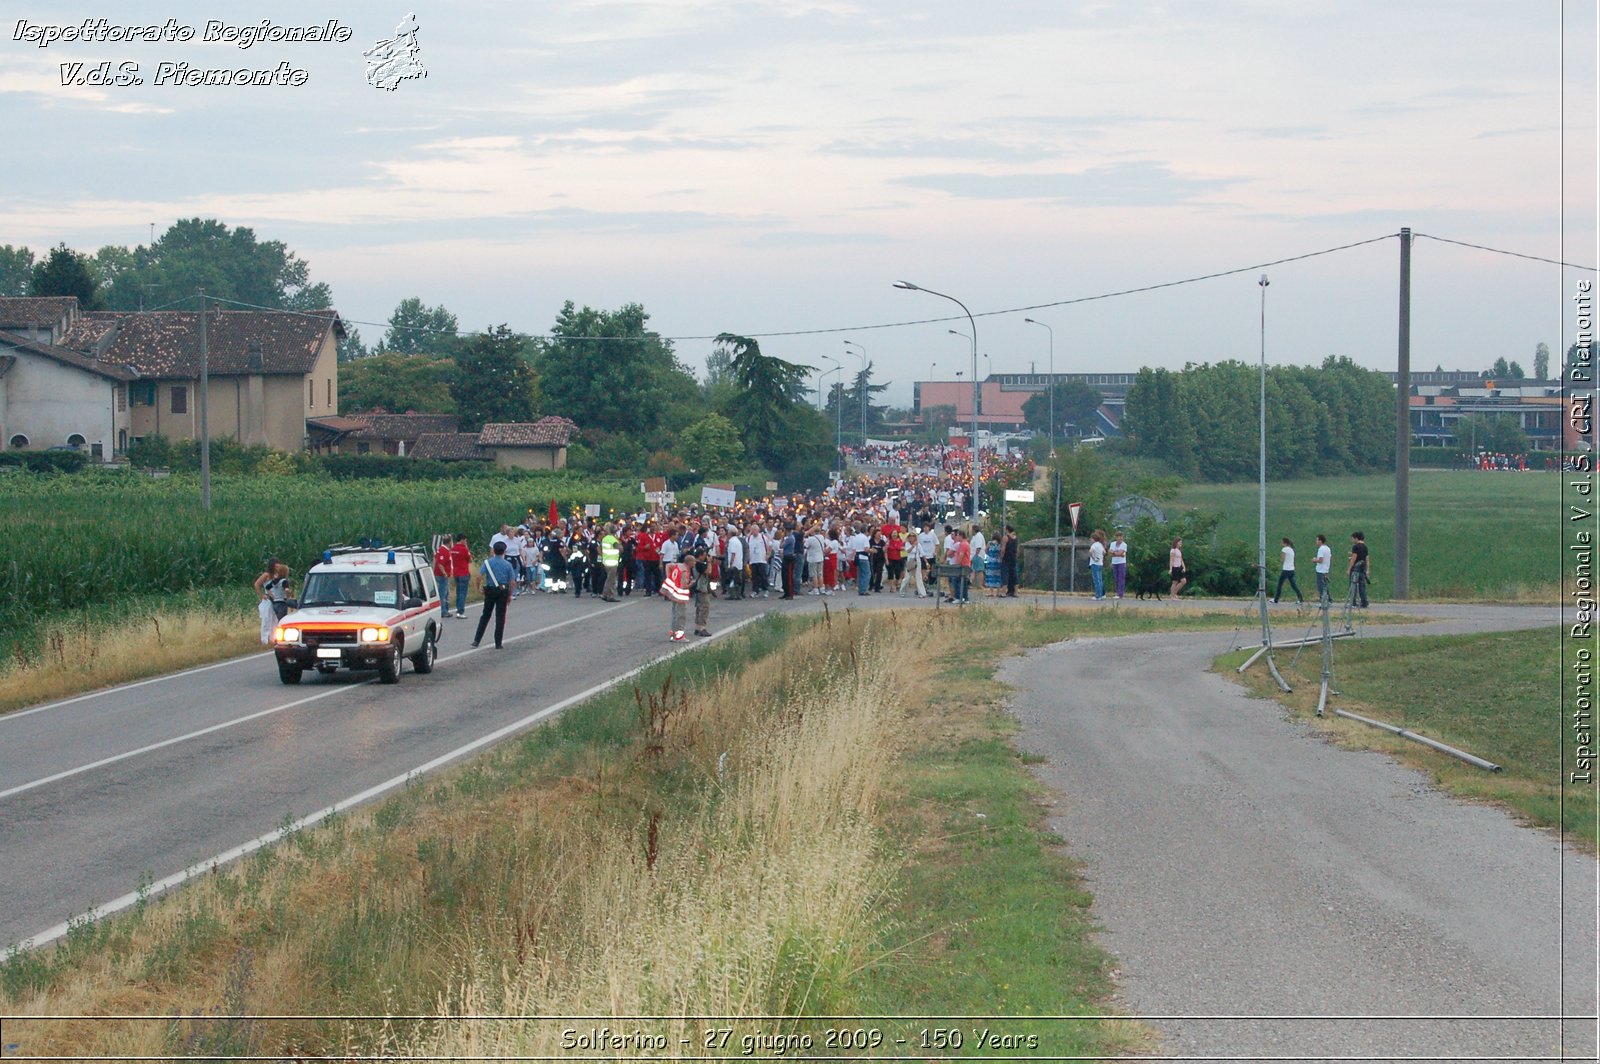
pixel 760 166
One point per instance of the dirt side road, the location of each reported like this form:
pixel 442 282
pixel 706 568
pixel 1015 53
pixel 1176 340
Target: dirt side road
pixel 1244 868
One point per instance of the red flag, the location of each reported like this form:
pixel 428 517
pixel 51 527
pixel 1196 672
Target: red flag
pixel 555 515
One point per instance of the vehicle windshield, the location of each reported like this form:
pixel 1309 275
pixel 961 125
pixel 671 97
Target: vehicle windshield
pixel 351 589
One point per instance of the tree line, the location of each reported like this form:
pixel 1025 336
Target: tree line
pixel 1203 421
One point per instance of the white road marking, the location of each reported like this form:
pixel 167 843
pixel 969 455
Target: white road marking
pixel 113 759
pixel 128 900
pixel 130 686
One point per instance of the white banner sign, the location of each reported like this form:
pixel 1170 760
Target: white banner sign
pixel 716 496
pixel 1013 495
pixel 591 509
pixel 659 498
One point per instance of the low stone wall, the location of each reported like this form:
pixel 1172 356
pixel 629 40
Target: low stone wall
pixel 1036 563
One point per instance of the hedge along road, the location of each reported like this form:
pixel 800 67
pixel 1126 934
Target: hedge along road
pixel 1255 881
pixel 139 783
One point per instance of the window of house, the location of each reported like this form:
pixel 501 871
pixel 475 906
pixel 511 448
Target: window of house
pixel 363 448
pixel 122 398
pixel 144 393
pixel 19 442
pixel 330 393
pixel 76 440
pixel 311 393
pixel 180 399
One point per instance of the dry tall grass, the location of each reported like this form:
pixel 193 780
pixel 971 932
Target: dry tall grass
pixel 85 654
pixel 762 903
pixel 725 861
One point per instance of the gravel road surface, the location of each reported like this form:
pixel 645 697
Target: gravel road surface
pixel 1268 895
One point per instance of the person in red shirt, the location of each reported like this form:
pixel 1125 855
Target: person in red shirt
pixel 460 572
pixel 894 552
pixel 441 572
pixel 647 551
pixel 961 557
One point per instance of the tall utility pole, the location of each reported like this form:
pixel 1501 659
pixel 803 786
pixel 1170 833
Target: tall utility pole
pixel 1402 437
pixel 1055 474
pixel 1261 546
pixel 205 432
pixel 1261 542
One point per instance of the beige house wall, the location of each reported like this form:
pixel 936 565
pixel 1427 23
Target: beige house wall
pixel 320 389
pixel 530 457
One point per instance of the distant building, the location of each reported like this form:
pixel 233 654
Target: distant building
pixel 1439 400
pixel 1001 396
pixel 102 381
pixel 375 432
pixel 540 445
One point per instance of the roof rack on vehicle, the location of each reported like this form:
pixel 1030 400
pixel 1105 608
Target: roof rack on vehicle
pixel 368 546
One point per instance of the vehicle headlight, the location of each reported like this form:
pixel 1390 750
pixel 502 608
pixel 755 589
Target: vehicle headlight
pixel 375 635
pixel 286 635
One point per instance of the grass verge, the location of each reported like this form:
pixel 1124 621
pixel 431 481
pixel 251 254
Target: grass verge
pixel 85 650
pixel 711 839
pixel 1497 696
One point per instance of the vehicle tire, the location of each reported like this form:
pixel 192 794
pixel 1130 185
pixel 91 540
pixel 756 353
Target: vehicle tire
pixel 422 661
pixel 289 673
pixel 389 668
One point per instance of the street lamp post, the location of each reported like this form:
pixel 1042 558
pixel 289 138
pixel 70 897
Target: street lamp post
pixel 838 444
pixel 1055 475
pixel 908 286
pixel 863 357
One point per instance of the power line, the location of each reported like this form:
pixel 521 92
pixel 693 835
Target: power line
pixel 1500 251
pixel 458 334
pixel 1079 299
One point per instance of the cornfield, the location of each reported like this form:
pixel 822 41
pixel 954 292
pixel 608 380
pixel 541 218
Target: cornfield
pixel 91 539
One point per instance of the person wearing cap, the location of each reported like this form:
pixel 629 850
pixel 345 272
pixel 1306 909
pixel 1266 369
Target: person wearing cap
pixel 497 576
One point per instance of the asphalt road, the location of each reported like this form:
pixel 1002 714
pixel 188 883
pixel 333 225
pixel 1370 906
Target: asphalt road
pixel 144 781
pixel 1268 895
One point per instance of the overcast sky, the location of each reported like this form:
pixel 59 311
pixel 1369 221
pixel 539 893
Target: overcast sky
pixel 759 167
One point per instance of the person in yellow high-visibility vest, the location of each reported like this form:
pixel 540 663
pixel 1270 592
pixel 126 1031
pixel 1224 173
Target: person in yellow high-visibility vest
pixel 610 558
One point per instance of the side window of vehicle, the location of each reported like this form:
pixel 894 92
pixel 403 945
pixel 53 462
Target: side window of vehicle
pixel 425 582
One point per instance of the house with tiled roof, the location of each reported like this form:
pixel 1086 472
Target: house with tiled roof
pixel 539 444
pixel 51 396
pixel 375 432
pixel 450 447
pixel 267 371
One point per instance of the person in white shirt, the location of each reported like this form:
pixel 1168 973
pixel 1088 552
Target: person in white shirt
pixel 1287 573
pixel 816 550
pixel 1324 564
pixel 1119 563
pixel 760 549
pixel 733 576
pixel 859 547
pixel 1097 563
pixel 980 547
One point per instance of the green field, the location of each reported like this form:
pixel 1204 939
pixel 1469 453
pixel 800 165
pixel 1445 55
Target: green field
pixel 1473 535
pixel 1496 695
pixel 95 540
